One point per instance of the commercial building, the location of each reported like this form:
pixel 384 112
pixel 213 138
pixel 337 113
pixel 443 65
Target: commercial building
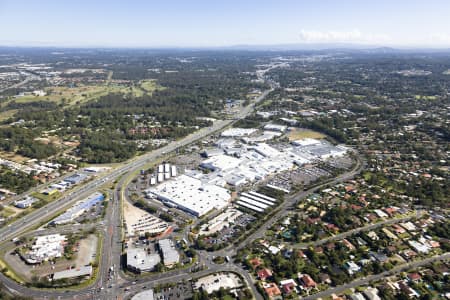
pixel 191 195
pixel 25 203
pixel 169 253
pixel 139 260
pixel 145 295
pixel 78 209
pixel 76 178
pixel 73 273
pixel 275 127
pixel 46 247
pixel 318 149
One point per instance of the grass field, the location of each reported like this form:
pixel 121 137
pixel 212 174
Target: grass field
pixel 13 157
pixel 4 115
pixel 420 97
pixel 150 85
pixel 46 198
pixel 70 96
pixel 299 134
pixel 8 212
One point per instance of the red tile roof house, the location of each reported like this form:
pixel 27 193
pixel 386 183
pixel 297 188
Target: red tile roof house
pixel 271 290
pixel 306 282
pixel 398 229
pixel 288 286
pixel 255 262
pixel 332 227
pixel 415 277
pixel 348 244
pixel 391 211
pixel 265 273
pixel 301 254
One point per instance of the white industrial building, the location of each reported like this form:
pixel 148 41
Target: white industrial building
pixel 275 127
pixel 305 142
pixel 191 195
pixel 46 247
pixel 318 149
pixel 238 132
pixel 169 253
pixel 139 260
pixel 255 163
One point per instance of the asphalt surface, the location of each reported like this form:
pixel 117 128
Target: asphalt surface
pixel 110 249
pixel 371 278
pixel 343 235
pixel 112 285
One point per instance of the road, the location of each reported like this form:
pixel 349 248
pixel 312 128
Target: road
pixel 205 258
pixel 48 211
pixel 287 205
pixel 19 84
pixel 343 235
pixel 371 278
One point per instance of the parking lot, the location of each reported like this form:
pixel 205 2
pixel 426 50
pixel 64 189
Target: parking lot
pixel 228 234
pixel 181 290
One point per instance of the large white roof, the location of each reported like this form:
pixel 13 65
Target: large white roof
pixel 191 194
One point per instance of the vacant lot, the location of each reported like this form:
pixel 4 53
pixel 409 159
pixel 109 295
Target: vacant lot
pixel 87 251
pixel 298 134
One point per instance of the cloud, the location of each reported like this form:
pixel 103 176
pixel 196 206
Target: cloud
pixel 439 39
pixel 354 36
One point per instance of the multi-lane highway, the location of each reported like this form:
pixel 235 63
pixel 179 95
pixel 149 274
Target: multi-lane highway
pixel 112 239
pixel 115 284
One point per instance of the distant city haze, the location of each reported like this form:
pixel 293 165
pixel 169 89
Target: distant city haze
pixel 208 23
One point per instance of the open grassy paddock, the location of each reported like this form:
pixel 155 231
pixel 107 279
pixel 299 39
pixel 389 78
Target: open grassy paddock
pixel 70 96
pixel 298 134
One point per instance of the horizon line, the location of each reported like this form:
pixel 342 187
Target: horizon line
pixel 286 46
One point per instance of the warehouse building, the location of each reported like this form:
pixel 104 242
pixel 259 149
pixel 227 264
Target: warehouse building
pixel 78 209
pixel 76 178
pixel 255 201
pixel 191 195
pixel 275 127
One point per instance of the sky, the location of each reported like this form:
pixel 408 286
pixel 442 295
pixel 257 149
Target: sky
pixel 218 23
